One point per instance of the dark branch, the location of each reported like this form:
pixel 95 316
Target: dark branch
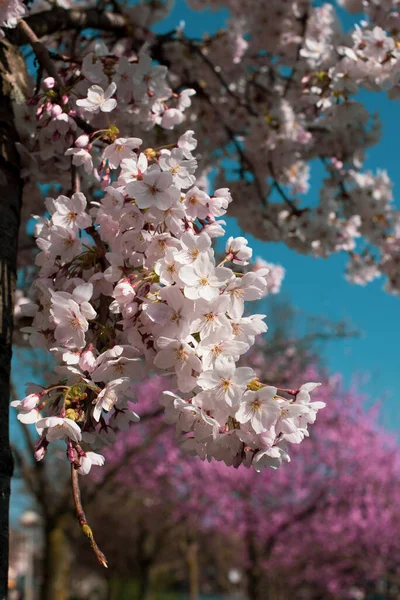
pixel 59 19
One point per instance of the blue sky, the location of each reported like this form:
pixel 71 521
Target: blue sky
pixel 318 286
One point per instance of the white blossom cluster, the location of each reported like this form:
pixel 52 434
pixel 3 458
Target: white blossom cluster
pixel 149 296
pixel 284 85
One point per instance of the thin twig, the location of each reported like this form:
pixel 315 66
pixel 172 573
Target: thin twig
pixel 304 21
pixel 75 179
pixel 214 69
pixel 292 205
pixel 40 50
pixel 338 180
pixel 58 19
pixel 92 231
pixel 86 529
pixel 104 300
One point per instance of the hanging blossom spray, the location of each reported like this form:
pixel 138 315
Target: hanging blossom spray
pixel 129 284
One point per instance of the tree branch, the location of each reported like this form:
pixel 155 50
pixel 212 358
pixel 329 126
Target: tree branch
pixel 40 50
pixel 86 529
pixel 60 19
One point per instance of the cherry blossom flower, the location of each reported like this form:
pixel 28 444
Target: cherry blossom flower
pixel 58 428
pixel 260 408
pixel 71 320
pixel 70 212
pixel 202 279
pixel 237 251
pixel 154 189
pixel 81 157
pixel 98 99
pixel 120 150
pixel 27 408
pixel 226 381
pixel 110 395
pixel 88 460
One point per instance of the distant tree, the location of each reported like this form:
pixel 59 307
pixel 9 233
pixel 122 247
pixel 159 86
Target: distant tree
pixel 324 526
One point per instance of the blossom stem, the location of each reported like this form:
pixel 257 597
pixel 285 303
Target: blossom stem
pixel 227 258
pixel 166 146
pixel 56 387
pixel 86 529
pixel 288 391
pixel 75 179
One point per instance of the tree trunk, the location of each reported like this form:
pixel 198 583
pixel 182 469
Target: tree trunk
pixel 10 198
pixel 193 564
pixel 254 573
pixel 144 580
pixel 56 562
pixel 253 586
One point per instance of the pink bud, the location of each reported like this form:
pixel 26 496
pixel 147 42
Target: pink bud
pixel 106 180
pixel 70 452
pixel 40 453
pixel 30 401
pixel 87 360
pixel 49 83
pixel 56 110
pixel 82 141
pixel 65 99
pixel 41 448
pixel 130 310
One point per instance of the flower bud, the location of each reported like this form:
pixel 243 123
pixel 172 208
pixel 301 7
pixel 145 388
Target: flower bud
pixel 70 413
pixel 40 453
pixel 49 83
pixel 82 141
pixel 56 110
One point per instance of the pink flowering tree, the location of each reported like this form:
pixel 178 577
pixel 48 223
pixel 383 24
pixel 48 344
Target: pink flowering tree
pixel 127 281
pixel 323 526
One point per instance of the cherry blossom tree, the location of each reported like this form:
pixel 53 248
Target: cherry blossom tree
pixel 127 277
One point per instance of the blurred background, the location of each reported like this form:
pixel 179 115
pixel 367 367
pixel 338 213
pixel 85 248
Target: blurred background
pixel 325 526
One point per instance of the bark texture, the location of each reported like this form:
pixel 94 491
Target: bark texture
pixel 10 201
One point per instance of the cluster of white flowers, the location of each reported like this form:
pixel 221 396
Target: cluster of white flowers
pixel 136 91
pixel 287 96
pixel 149 296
